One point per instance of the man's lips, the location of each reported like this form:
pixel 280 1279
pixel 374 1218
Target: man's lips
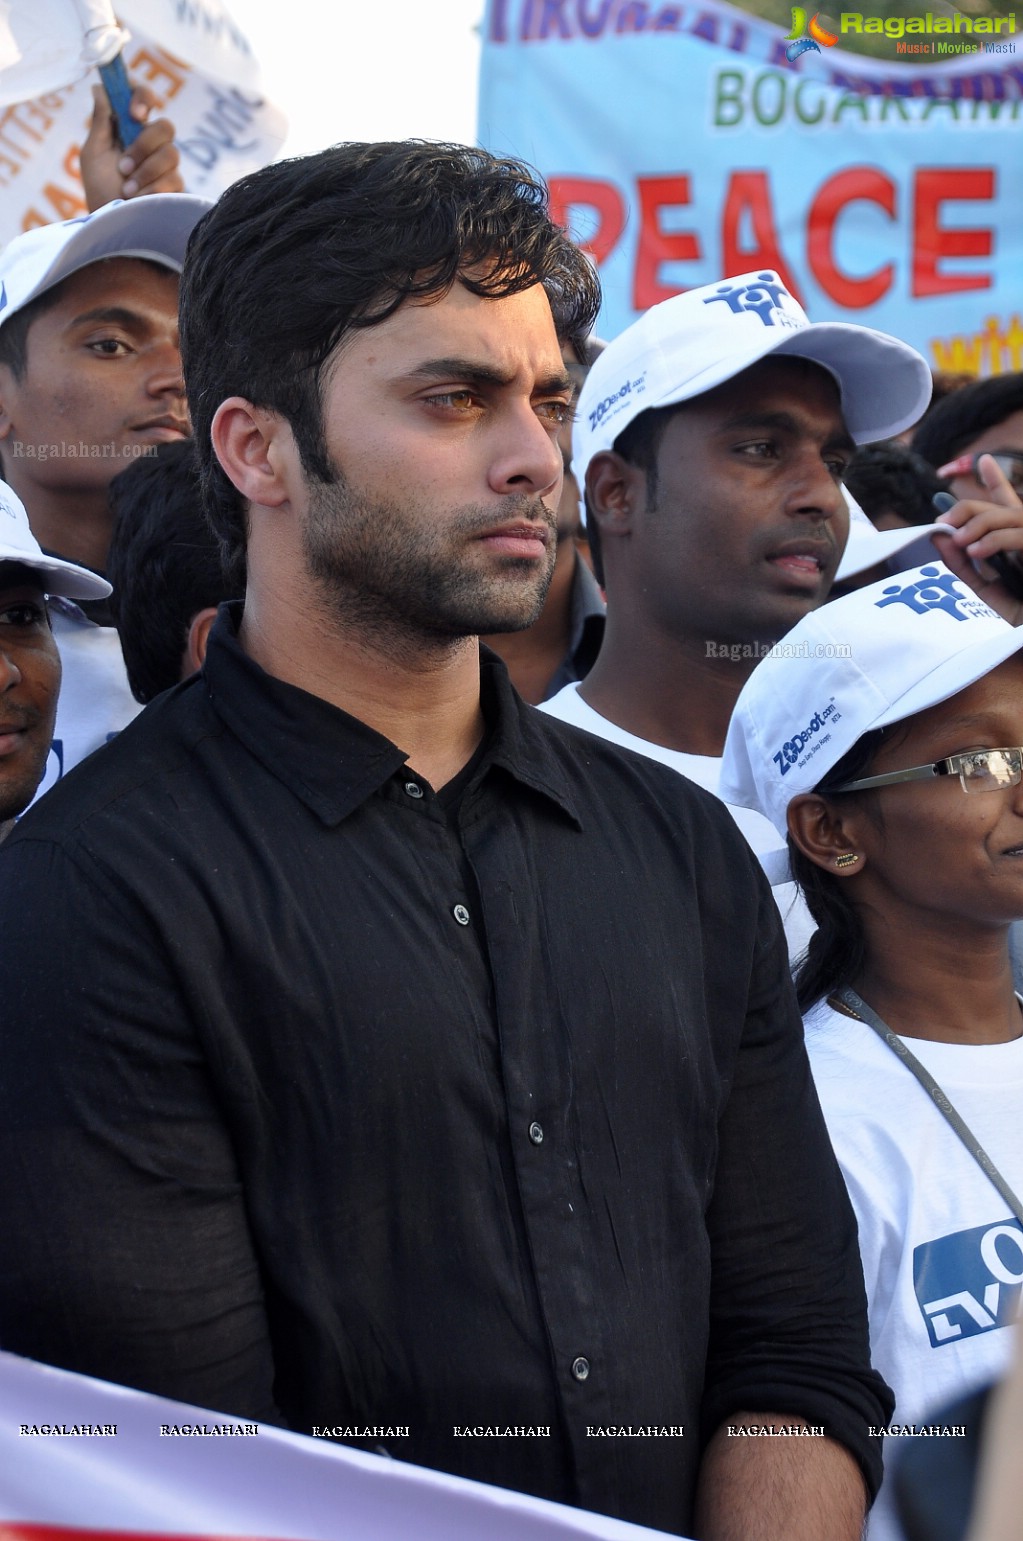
pixel 803 559
pixel 166 428
pixel 522 539
pixel 12 735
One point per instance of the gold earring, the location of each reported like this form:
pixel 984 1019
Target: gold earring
pixel 849 859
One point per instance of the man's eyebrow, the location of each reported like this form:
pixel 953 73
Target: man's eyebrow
pixel 973 722
pixel 474 372
pixel 120 315
pixel 786 423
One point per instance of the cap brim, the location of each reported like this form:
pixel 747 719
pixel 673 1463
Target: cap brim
pixel 884 385
pixel 867 550
pixel 65 579
pixel 153 229
pixel 953 675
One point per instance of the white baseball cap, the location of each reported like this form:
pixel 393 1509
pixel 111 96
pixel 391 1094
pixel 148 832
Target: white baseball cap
pixel 155 228
pixel 873 657
pixel 18 544
pixel 697 340
pixel 868 546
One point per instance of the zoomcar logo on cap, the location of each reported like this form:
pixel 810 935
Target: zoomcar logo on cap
pixel 789 753
pixel 938 591
pixel 762 299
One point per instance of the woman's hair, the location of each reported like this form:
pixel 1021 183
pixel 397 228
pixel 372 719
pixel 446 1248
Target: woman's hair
pixel 838 946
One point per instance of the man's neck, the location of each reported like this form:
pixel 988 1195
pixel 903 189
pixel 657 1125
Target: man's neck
pixel 75 525
pixel 424 697
pixel 533 655
pixel 665 689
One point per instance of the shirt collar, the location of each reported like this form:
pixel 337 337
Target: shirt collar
pixel 331 760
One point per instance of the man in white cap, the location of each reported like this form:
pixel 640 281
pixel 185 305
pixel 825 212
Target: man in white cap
pixel 712 436
pixel 29 661
pixel 90 378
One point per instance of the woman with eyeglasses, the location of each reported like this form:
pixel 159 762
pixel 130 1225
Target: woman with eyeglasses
pixel 884 736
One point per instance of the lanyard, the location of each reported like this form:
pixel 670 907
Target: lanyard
pixel 855 1006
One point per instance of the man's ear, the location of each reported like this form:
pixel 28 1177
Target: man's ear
pixel 614 491
pixel 198 635
pixel 828 837
pixel 250 442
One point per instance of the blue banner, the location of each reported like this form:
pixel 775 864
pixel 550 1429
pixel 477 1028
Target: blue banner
pixel 685 143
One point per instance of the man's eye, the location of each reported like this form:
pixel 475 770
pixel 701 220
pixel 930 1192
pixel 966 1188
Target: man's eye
pixel 24 615
pixel 837 465
pixel 759 449
pixel 557 413
pixel 108 347
pixel 460 401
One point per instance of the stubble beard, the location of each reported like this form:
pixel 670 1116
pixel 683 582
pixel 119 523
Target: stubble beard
pixel 379 568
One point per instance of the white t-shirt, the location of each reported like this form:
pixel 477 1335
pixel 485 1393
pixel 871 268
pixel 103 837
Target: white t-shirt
pixel 942 1253
pixel 705 770
pixel 95 701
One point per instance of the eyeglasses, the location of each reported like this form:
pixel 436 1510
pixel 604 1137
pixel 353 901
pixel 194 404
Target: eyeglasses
pixel 983 770
pixel 1009 461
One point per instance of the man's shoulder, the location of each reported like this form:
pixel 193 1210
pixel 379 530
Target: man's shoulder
pixel 601 767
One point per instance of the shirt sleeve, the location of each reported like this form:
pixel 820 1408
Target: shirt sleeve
pixel 127 1253
pixel 789 1317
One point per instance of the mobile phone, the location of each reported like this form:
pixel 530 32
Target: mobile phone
pixel 1008 570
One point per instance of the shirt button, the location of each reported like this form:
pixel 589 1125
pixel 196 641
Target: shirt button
pixel 580 1368
pixel 536 1133
pixel 461 914
pixel 413 789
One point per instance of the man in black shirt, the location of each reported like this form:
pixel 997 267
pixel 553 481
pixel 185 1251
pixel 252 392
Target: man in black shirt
pixel 379 1053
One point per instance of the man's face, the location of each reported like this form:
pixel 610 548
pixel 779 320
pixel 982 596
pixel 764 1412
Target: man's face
pixel 1006 435
pixel 747 521
pixel 443 424
pixel 29 682
pixel 102 377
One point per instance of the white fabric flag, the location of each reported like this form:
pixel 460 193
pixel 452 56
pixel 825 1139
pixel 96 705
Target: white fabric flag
pixel 83 1460
pixel 191 53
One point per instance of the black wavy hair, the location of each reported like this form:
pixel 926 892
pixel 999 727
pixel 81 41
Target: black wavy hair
pixel 957 419
pixel 889 478
pixel 164 564
pixel 296 255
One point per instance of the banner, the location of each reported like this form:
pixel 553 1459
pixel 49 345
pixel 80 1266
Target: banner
pixel 689 142
pixel 189 52
pixel 82 1460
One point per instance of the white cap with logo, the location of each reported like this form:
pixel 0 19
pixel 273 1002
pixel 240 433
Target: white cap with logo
pixel 873 657
pixel 868 546
pixel 155 228
pixel 689 344
pixel 18 544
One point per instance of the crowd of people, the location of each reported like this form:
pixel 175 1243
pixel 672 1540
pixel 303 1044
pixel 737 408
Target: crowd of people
pixel 400 1032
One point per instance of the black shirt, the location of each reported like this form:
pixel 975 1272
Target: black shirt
pixel 320 1106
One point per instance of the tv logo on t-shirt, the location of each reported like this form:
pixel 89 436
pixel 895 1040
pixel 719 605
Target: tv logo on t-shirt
pixel 969 1282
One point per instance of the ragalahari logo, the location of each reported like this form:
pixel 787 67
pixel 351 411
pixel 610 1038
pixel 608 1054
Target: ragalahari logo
pixel 801 44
